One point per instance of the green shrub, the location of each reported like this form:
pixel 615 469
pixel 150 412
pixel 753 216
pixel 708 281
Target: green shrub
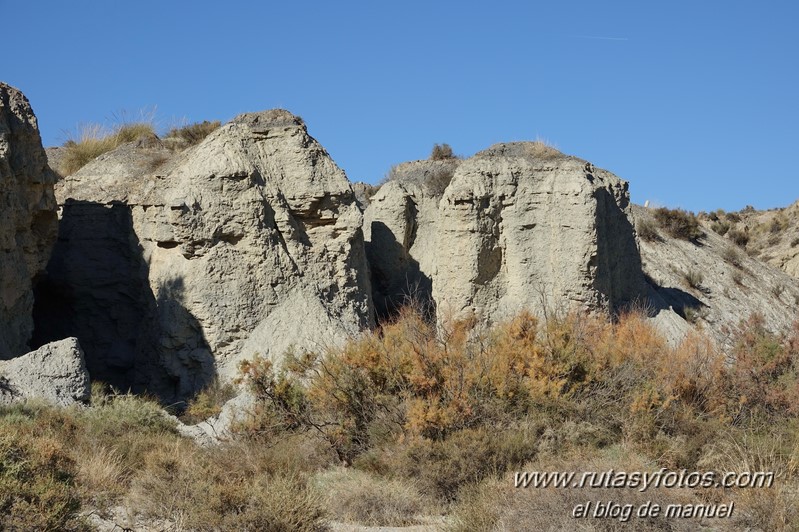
pixel 678 223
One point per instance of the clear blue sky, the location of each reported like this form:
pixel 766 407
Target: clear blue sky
pixel 695 103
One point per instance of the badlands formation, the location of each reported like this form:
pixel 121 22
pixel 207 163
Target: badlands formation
pixel 170 268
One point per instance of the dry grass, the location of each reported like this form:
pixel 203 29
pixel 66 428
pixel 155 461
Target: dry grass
pixel 498 505
pixel 94 140
pixel 693 278
pixel 354 496
pixel 192 134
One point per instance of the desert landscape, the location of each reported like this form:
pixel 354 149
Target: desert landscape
pixel 212 328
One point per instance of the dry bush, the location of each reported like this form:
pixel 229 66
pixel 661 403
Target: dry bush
pixel 95 140
pixel 208 402
pixel 220 489
pixel 647 229
pixel 441 152
pixel 741 238
pixel 192 134
pixel 693 278
pixel 764 377
pixel 720 227
pixel 678 223
pixel 37 471
pixel 733 256
pixel 498 505
pixel 354 496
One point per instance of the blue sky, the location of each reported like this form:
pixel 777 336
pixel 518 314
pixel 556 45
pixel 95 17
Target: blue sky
pixel 694 103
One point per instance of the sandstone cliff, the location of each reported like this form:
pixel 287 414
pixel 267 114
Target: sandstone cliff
pixel 28 221
pixel 171 269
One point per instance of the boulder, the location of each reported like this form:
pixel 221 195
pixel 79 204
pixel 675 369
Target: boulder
pixel 55 372
pixel 28 220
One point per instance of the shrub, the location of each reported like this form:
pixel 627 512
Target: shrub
pixel 741 238
pixel 647 229
pixel 192 134
pixel 441 152
pixel 442 468
pixel 37 474
pixel 720 227
pixel 221 489
pixel 737 278
pixel 693 278
pixel 359 497
pixel 678 223
pixel 208 402
pixel 733 256
pixel 764 374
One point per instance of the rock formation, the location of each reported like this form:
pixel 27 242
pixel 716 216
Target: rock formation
pixel 519 226
pixel 28 220
pixel 172 269
pixel 55 372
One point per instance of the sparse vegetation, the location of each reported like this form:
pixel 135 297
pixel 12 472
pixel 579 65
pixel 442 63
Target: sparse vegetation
pixel 95 140
pixel 733 256
pixel 720 227
pixel 192 134
pixel 693 278
pixel 429 419
pixel 740 238
pixel 678 223
pixel 441 152
pixel 647 229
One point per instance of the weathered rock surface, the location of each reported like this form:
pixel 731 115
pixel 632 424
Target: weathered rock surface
pixel 28 221
pixel 55 372
pixel 519 226
pixel 400 227
pixel 172 269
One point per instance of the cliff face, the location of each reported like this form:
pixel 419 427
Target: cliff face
pixel 28 220
pixel 519 226
pixel 248 243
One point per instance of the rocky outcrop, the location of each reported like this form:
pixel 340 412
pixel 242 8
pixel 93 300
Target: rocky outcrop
pixel 519 226
pixel 401 236
pixel 171 269
pixel 28 221
pixel 55 372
